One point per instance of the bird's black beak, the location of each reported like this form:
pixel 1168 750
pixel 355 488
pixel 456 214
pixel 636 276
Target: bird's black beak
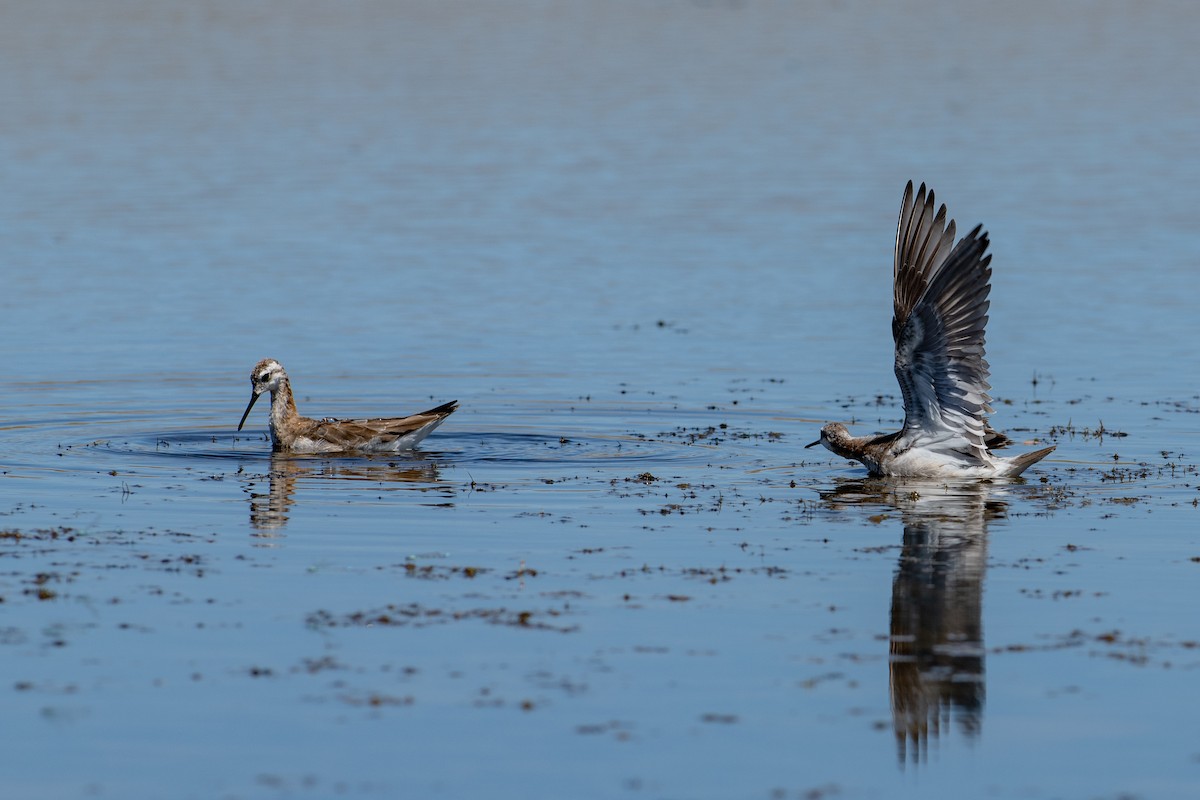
pixel 253 399
pixel 814 444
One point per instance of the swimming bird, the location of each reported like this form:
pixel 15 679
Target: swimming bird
pixel 297 434
pixel 940 312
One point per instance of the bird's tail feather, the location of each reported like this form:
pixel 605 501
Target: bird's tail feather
pixel 1019 464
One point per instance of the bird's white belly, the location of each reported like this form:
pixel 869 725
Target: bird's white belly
pixel 919 462
pixel 303 444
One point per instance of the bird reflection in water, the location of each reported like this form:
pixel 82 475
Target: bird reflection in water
pixel 269 509
pixel 936 664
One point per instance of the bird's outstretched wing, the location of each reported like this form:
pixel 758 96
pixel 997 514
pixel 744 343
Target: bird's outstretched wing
pixel 940 314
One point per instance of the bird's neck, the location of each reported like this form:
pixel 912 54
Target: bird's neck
pixel 869 450
pixel 283 406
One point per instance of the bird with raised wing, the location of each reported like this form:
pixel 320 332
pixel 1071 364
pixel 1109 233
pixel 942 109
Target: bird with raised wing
pixel 940 313
pixel 294 433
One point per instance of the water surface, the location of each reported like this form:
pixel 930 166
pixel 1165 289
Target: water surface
pixel 648 250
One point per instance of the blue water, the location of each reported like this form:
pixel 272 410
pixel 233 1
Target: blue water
pixel 648 249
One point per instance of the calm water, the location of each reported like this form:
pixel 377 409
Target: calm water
pixel 647 247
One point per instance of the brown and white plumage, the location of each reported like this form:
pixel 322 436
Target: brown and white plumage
pixel 940 315
pixel 297 434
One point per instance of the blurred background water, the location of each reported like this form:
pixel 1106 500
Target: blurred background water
pixel 608 230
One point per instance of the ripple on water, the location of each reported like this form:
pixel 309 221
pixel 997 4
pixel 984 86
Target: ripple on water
pixel 274 483
pixel 453 448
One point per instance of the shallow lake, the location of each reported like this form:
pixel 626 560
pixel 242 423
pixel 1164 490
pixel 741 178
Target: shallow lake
pixel 648 249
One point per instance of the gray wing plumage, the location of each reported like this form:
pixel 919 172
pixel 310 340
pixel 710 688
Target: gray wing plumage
pixel 941 304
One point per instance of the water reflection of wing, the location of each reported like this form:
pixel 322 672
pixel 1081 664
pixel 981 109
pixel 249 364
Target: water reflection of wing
pixel 936 668
pixel 269 509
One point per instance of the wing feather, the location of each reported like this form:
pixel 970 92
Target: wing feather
pixel 351 434
pixel 923 241
pixel 941 305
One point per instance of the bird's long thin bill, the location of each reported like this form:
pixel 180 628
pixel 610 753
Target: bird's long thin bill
pixel 814 444
pixel 253 399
